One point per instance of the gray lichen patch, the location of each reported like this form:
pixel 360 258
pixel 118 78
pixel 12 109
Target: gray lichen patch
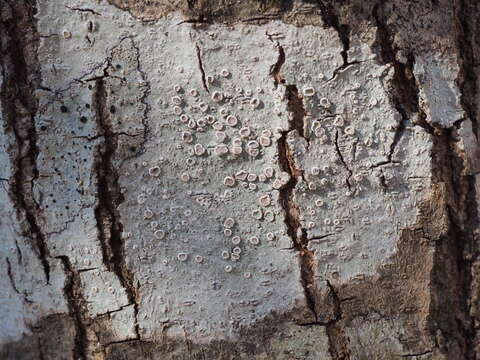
pixel 206 201
pixel 192 189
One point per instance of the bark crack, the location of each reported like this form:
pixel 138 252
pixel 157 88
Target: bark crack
pixel 331 20
pixel 287 163
pixel 416 354
pixel 91 11
pixel 448 170
pixel 342 160
pixel 10 276
pixel 200 66
pixel 109 224
pixel 338 341
pixel 399 130
pixel 76 308
pixel 14 286
pixel 466 41
pixel 466 221
pixel 275 68
pixel 21 74
pixel 404 93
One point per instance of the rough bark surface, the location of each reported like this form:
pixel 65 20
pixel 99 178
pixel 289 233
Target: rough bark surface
pixel 285 179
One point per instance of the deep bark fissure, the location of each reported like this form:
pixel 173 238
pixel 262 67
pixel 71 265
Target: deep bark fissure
pixel 465 226
pixel 337 340
pixel 466 42
pixel 404 93
pixel 463 220
pixel 20 71
pixel 110 227
pixel 76 308
pixel 292 220
pixel 275 68
pixel 336 337
pixel 297 110
pixel 448 170
pixel 331 20
pixel 295 231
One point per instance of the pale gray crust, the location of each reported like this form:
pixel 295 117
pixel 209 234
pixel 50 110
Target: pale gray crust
pixel 424 297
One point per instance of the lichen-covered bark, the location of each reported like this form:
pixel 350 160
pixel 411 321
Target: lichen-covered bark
pixel 224 179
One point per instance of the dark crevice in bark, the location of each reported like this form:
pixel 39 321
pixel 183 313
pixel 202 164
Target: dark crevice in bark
pixel 448 169
pixel 415 355
pixel 19 252
pixel 321 237
pixel 91 11
pixel 292 220
pixel 470 255
pixel 463 218
pixel 331 20
pixel 467 12
pixel 404 92
pixel 109 194
pixel 10 276
pixel 275 68
pixel 466 15
pixel 261 19
pixel 193 21
pixel 383 181
pixel 200 66
pixel 337 340
pixel 342 160
pixel 20 71
pixel 76 308
pixel 191 4
pixel 128 341
pixel 287 193
pixel 297 110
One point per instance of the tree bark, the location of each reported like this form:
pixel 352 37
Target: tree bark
pixel 239 179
